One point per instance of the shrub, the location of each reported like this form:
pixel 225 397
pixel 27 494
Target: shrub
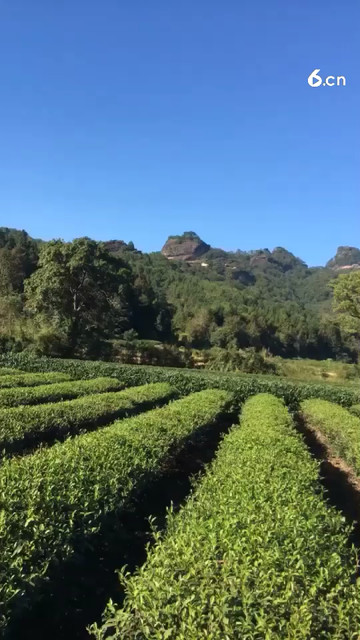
pixel 355 409
pixel 187 381
pixel 339 426
pixel 255 553
pixel 54 499
pixel 6 371
pixel 25 426
pixel 57 391
pixel 234 359
pixel 31 379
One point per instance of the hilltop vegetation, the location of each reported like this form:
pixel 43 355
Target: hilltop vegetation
pixel 105 300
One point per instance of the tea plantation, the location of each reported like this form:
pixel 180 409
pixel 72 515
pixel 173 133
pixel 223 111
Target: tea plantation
pixel 253 547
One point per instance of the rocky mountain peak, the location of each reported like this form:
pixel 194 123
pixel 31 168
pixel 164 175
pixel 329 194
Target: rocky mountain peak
pixel 346 258
pixel 187 246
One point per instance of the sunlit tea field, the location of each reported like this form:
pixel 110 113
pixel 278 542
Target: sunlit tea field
pixel 153 503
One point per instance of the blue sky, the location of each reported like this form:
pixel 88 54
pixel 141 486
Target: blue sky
pixel 135 120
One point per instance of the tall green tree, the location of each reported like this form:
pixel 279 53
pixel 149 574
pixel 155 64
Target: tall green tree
pixel 346 300
pixel 81 291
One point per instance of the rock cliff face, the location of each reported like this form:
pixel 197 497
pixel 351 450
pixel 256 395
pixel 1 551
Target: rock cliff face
pixel 187 247
pixel 345 258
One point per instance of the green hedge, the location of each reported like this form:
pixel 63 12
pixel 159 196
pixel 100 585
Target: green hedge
pixel 355 409
pixel 188 381
pixel 22 427
pixel 6 371
pixel 55 498
pixel 32 379
pixel 57 391
pixel 255 553
pixel 339 426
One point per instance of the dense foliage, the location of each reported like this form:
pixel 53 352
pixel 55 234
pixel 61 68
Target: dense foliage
pixel 57 391
pixel 7 371
pixel 87 299
pixel 255 553
pixel 187 381
pixel 347 301
pixel 340 427
pixel 355 409
pixel 25 426
pixel 54 499
pixel 31 379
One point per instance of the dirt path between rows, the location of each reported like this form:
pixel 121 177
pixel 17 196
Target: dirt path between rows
pixel 340 481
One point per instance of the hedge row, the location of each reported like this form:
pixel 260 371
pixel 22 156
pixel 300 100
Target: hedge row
pixel 339 426
pixel 57 391
pixel 32 379
pixel 55 498
pixel 27 426
pixel 187 380
pixel 355 409
pixel 255 553
pixel 6 371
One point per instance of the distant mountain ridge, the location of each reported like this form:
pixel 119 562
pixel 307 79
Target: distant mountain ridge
pixel 189 247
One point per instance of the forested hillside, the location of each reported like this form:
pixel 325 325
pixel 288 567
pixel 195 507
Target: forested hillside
pixel 90 299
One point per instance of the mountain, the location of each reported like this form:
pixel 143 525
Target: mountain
pixel 188 247
pixel 346 258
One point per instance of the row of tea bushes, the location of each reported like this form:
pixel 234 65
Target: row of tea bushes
pixel 340 427
pixel 27 426
pixel 6 371
pixel 52 500
pixel 355 409
pixel 31 379
pixel 255 553
pixel 57 391
pixel 187 380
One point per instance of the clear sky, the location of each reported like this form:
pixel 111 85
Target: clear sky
pixel 136 119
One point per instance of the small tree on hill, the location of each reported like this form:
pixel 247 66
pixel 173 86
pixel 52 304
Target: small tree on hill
pixel 346 301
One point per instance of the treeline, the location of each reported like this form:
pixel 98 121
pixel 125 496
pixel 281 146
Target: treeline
pixel 101 300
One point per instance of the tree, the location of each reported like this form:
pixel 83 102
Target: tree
pixel 19 255
pixel 81 291
pixel 346 301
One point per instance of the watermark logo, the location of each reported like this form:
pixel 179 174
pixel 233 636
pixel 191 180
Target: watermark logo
pixel 315 80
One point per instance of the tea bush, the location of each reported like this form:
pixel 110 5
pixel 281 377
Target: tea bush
pixel 255 553
pixel 57 391
pixel 24 426
pixel 355 409
pixel 32 379
pixel 54 499
pixel 187 380
pixel 6 371
pixel 339 426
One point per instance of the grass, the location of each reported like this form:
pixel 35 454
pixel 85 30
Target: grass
pixel 318 370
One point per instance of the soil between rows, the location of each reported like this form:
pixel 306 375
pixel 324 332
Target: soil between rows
pixel 341 483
